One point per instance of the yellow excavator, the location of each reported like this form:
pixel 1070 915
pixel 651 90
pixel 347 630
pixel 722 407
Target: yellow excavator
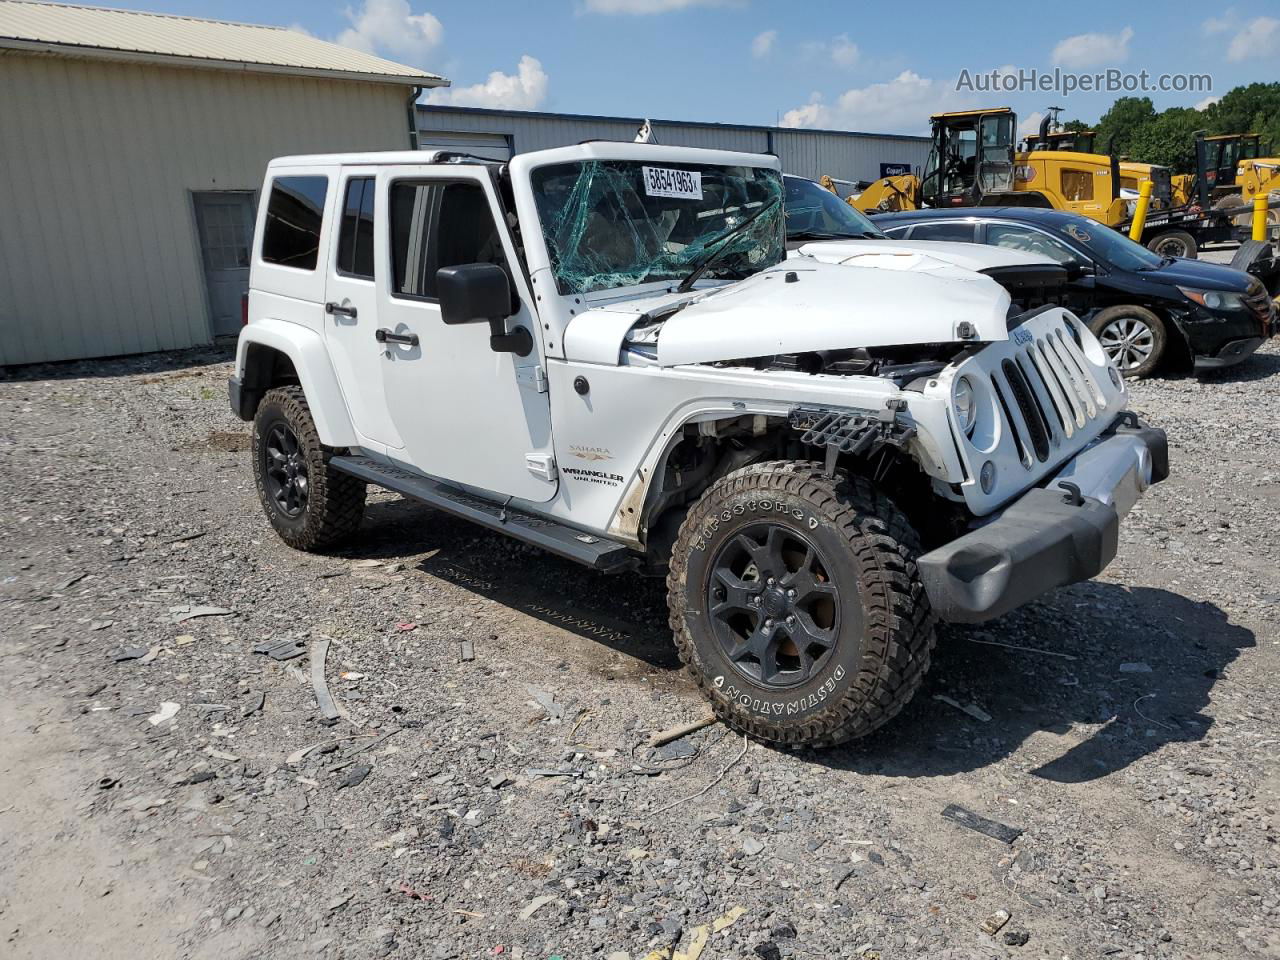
pixel 973 162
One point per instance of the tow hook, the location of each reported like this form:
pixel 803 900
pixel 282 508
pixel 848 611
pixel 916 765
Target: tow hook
pixel 1071 493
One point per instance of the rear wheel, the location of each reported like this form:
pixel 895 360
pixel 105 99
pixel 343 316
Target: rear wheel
pixel 310 505
pixel 796 604
pixel 1174 243
pixel 1133 338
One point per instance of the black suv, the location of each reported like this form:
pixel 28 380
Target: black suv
pixel 1144 308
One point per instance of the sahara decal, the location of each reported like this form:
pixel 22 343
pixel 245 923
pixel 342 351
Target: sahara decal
pixel 583 452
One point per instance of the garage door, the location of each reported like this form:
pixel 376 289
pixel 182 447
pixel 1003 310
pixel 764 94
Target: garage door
pixel 492 146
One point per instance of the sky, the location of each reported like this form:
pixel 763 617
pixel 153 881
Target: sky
pixel 878 67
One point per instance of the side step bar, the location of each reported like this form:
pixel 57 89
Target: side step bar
pixel 598 553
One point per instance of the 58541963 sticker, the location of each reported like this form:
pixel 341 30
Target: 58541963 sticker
pixel 666 182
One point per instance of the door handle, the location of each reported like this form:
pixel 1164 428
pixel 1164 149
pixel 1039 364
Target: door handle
pixel 382 335
pixel 338 310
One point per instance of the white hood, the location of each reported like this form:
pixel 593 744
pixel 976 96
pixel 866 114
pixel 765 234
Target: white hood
pixel 913 298
pixel 883 253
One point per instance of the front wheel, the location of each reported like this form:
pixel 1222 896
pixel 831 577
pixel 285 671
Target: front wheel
pixel 1133 338
pixel 310 505
pixel 797 606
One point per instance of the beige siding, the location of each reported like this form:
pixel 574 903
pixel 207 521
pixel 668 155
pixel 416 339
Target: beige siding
pixel 98 161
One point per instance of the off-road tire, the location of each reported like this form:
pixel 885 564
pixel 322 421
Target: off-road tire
pixel 1159 335
pixel 1184 242
pixel 334 502
pixel 880 655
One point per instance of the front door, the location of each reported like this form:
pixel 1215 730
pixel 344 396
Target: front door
pixel 224 221
pixel 351 309
pixel 466 414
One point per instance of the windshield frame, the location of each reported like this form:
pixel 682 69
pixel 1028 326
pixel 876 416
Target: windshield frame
pixel 539 232
pixel 868 232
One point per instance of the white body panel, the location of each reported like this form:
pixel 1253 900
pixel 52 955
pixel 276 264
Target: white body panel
pixel 882 253
pixel 829 307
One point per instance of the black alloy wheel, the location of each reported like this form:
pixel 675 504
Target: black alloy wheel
pixel 285 470
pixel 774 608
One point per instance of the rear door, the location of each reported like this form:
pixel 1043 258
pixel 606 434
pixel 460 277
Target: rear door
pixel 351 307
pixel 466 414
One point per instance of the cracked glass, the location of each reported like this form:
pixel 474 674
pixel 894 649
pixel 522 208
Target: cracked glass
pixel 619 223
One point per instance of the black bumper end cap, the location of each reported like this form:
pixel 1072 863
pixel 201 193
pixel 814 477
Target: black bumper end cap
pixel 238 398
pixel 1039 543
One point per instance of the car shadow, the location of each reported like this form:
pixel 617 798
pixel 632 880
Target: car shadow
pixel 1097 674
pixel 1143 662
pixel 624 612
pixel 1258 366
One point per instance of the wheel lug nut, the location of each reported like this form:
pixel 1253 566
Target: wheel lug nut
pixel 768 624
pixel 791 594
pixel 772 581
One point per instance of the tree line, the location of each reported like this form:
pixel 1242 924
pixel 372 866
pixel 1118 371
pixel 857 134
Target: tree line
pixel 1137 131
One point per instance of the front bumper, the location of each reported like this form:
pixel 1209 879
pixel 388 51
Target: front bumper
pixel 1229 354
pixel 1061 533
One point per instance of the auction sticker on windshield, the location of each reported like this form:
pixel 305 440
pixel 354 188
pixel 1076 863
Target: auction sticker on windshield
pixel 681 184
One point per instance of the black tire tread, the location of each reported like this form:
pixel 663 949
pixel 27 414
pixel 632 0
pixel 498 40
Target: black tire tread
pixel 900 623
pixel 335 499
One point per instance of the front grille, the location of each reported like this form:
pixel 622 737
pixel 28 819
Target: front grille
pixel 1047 391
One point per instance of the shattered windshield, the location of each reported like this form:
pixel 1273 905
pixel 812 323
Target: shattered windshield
pixel 618 223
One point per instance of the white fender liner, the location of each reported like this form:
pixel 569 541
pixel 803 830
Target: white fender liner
pixel 306 351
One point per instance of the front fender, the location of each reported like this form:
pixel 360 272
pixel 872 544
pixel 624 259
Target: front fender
pixel 305 349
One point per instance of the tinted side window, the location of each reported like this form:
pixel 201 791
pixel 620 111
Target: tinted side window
pixel 1029 241
pixel 962 232
pixel 294 214
pixel 436 225
pixel 896 233
pixel 355 241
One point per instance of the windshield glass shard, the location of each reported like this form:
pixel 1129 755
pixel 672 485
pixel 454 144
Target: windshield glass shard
pixel 619 223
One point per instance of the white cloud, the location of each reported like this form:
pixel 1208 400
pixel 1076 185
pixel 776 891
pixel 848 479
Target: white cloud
pixel 1207 102
pixel 645 7
pixel 1221 24
pixel 391 28
pixel 1030 124
pixel 844 51
pixel 523 90
pixel 1259 38
pixel 762 45
pixel 1093 49
pixel 900 105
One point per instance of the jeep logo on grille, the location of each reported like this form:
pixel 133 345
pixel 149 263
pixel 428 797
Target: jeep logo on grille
pixel 1023 337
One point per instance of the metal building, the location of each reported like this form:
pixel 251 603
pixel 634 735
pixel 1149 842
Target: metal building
pixel 132 146
pixel 843 154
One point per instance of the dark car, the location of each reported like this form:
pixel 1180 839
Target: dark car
pixel 1144 308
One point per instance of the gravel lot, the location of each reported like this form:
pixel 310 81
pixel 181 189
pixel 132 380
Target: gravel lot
pixel 1127 726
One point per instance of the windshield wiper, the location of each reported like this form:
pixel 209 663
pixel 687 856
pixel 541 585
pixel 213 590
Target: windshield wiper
pixel 818 235
pixel 710 257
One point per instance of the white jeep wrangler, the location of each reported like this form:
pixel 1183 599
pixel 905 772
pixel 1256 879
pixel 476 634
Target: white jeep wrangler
pixel 604 350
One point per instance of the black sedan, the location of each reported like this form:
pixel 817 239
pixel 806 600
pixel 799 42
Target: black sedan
pixel 1144 308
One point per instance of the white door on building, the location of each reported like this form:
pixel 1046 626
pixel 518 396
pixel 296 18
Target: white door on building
pixel 224 220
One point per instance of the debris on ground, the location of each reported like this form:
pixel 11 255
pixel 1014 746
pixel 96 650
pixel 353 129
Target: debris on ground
pixel 131 653
pixel 663 737
pixel 972 709
pixel 187 612
pixel 329 712
pixel 995 922
pixel 466 651
pixel 355 776
pixel 283 649
pixel 253 703
pixel 168 710
pixel 991 828
pixel 553 709
pixel 536 904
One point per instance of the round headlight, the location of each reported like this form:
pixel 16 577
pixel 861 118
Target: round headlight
pixel 965 404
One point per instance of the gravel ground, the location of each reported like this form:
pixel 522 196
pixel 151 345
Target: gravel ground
pixel 506 804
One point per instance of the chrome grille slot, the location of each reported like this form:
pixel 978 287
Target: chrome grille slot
pixel 1061 402
pixel 1025 360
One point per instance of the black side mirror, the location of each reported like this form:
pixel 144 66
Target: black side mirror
pixel 1076 269
pixel 481 293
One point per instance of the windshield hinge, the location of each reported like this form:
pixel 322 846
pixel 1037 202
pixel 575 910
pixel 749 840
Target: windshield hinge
pixel 535 378
pixel 541 465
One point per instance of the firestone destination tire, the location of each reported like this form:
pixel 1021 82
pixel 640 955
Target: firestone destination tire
pixel 310 505
pixel 796 604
